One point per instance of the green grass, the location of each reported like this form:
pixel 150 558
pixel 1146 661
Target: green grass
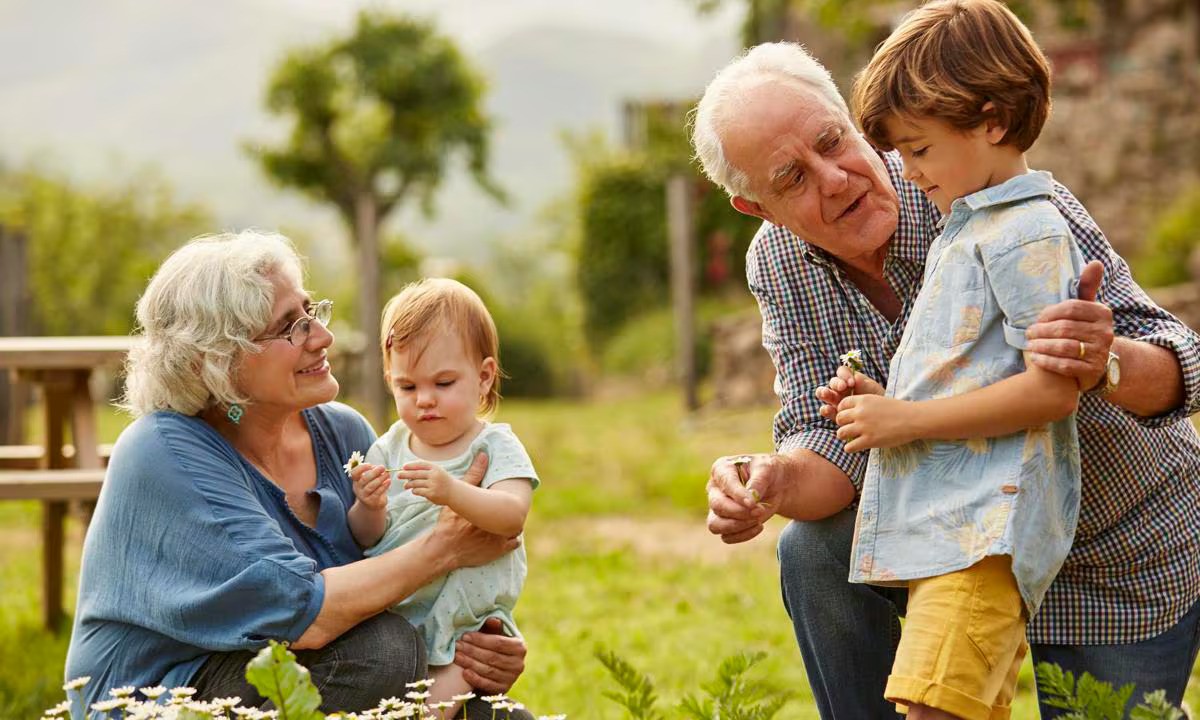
pixel 618 556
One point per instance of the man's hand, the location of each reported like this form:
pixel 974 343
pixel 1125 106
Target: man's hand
pixel 743 492
pixel 1054 340
pixel 490 661
pixel 873 421
pixel 843 385
pixel 427 480
pixel 371 483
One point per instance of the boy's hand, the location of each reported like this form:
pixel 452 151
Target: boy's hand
pixel 843 385
pixel 371 483
pixel 427 480
pixel 871 421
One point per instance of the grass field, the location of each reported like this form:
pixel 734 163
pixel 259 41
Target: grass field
pixel 618 556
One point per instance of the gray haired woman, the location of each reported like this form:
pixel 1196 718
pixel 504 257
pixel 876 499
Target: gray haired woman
pixel 222 520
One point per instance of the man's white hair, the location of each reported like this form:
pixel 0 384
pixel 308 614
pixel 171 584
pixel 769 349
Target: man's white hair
pixel 199 314
pixel 786 62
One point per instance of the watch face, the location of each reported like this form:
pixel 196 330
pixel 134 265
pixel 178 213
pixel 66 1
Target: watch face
pixel 1113 370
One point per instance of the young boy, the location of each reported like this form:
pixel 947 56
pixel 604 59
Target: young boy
pixel 972 490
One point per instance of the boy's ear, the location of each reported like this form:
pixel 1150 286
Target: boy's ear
pixel 994 131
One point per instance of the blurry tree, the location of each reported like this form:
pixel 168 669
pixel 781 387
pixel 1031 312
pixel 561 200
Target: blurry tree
pixel 92 251
pixel 375 119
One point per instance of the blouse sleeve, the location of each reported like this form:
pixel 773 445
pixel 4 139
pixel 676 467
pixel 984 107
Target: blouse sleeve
pixel 190 549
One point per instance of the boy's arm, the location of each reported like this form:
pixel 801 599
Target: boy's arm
pixel 1032 398
pixel 500 508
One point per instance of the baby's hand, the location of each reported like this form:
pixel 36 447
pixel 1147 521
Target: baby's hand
pixel 371 483
pixel 846 383
pixel 427 480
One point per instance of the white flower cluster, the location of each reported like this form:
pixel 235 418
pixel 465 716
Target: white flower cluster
pixel 180 700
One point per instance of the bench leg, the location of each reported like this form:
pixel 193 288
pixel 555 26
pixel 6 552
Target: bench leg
pixel 54 512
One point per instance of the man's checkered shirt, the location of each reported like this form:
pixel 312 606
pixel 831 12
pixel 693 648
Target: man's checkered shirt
pixel 1134 568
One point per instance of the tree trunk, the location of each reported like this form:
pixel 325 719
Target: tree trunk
pixel 366 231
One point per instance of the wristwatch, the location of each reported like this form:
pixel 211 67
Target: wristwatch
pixel 1111 378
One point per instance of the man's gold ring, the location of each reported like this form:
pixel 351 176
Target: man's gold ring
pixel 1082 350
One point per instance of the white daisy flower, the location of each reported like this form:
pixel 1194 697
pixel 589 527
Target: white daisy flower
pixel 356 459
pixel 417 696
pixel 153 692
pixel 77 683
pixel 443 705
pixel 107 705
pixel 853 359
pixel 421 684
pixel 183 692
pixel 59 709
pixel 493 698
pixel 122 691
pixel 463 698
pixel 228 702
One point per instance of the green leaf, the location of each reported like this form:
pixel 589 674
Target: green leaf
pixel 638 698
pixel 277 676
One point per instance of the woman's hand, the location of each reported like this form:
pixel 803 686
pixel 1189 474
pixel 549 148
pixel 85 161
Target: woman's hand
pixel 490 661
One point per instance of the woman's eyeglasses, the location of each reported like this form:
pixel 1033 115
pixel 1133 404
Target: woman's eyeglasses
pixel 297 333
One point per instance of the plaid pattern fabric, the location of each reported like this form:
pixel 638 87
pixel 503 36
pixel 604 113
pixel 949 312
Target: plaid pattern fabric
pixel 1134 568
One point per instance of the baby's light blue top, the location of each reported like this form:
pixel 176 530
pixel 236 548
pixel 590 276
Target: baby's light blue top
pixel 191 550
pixel 930 508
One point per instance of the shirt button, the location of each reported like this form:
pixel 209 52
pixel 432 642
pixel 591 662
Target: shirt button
pixel 1008 489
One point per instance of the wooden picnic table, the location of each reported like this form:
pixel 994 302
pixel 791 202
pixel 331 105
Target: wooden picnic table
pixel 62 367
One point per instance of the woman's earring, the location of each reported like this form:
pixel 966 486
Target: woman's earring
pixel 235 413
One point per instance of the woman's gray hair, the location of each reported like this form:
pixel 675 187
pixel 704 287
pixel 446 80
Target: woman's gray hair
pixel 198 315
pixel 788 62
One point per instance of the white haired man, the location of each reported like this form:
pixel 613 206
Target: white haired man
pixel 835 266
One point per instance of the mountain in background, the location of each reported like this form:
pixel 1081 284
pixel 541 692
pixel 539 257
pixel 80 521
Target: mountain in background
pixel 105 88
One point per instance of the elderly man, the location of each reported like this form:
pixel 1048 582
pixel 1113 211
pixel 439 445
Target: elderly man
pixel 836 266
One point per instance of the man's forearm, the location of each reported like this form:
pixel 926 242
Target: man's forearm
pixel 1151 379
pixel 814 488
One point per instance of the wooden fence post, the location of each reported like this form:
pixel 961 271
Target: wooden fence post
pixel 14 311
pixel 680 230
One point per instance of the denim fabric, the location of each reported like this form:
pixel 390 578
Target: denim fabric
pixel 1134 566
pixel 192 551
pixel 1163 662
pixel 930 508
pixel 371 661
pixel 848 632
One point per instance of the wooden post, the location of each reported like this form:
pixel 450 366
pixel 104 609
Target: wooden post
pixel 14 306
pixel 371 389
pixel 680 233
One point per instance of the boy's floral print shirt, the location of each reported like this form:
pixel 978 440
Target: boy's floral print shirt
pixel 931 507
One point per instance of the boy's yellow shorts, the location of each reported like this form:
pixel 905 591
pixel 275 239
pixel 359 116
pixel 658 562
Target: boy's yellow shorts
pixel 963 642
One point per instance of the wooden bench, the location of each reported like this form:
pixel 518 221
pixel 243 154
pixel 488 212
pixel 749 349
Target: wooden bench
pixel 55 488
pixel 32 457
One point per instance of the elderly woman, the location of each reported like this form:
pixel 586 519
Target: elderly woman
pixel 222 522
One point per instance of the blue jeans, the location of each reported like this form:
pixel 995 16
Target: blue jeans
pixel 848 632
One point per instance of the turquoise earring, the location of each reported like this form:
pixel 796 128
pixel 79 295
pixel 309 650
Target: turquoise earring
pixel 235 413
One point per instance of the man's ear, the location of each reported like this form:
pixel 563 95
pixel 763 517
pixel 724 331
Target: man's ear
pixel 994 131
pixel 749 207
